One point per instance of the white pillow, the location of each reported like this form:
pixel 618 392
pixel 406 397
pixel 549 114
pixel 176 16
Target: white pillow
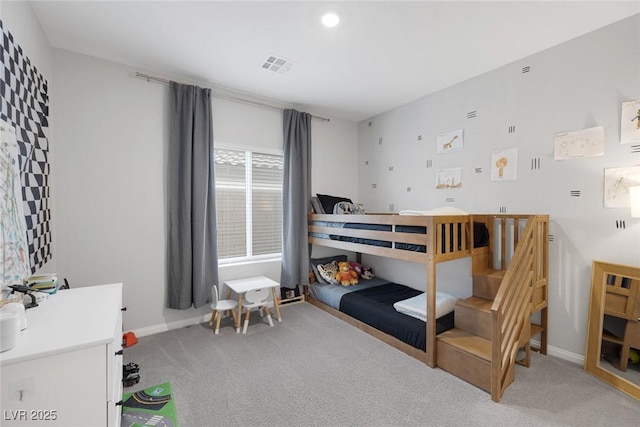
pixel 444 210
pixel 417 306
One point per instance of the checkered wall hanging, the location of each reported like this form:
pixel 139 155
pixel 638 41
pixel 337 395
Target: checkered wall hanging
pixel 25 106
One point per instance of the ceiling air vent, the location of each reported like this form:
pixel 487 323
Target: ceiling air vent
pixel 277 64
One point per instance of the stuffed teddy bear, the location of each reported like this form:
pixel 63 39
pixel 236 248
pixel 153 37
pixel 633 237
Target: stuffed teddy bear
pixel 346 275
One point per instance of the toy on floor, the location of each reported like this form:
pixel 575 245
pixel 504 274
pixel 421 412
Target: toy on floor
pixel 130 375
pixel 129 339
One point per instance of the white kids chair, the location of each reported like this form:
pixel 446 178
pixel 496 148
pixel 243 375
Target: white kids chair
pixel 256 299
pixel 221 306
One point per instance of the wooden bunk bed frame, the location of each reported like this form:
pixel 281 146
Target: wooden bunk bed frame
pixel 520 242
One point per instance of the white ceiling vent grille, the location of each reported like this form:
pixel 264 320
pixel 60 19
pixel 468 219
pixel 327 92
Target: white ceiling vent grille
pixel 277 64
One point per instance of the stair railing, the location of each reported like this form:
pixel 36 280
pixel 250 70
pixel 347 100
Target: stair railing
pixel 512 306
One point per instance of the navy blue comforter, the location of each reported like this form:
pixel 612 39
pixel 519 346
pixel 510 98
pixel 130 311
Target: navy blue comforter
pixel 374 306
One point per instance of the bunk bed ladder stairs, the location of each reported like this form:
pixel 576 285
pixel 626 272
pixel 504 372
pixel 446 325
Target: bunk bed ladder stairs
pixel 466 350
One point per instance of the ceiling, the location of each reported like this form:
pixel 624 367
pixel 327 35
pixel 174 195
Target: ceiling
pixel 380 56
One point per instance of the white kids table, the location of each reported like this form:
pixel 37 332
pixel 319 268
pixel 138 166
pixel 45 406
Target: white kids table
pixel 240 286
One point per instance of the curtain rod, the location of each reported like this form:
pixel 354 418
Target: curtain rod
pixel 229 97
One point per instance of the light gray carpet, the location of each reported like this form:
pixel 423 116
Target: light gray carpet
pixel 315 370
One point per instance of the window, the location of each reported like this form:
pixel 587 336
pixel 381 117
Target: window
pixel 248 204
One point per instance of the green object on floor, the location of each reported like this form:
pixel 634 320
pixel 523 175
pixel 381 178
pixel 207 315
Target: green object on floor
pixel 151 406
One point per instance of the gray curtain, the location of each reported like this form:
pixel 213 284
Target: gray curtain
pixel 296 194
pixel 192 259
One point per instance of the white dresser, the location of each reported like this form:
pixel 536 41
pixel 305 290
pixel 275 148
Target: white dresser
pixel 66 368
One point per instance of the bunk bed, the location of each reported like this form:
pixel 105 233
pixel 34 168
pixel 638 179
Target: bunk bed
pixel 385 306
pixel 432 237
pixel 425 239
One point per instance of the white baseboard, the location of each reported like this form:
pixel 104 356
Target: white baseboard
pixel 561 353
pixel 163 327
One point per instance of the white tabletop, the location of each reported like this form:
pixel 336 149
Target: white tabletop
pixel 250 283
pixel 70 319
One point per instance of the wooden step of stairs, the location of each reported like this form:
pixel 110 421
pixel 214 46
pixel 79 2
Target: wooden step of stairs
pixel 473 315
pixel 466 356
pixel 486 283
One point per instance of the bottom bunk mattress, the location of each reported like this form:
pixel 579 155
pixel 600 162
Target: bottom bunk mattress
pixel 372 303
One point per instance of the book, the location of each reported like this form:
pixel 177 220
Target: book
pixel 43 282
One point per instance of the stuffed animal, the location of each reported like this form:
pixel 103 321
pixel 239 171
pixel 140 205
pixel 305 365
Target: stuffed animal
pixel 328 272
pixel 346 275
pixel 367 273
pixel 356 266
pixel 363 272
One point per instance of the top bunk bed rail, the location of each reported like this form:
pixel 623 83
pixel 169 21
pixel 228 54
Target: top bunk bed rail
pixel 416 238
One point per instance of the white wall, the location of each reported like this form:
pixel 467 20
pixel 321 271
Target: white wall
pixel 573 86
pixel 22 23
pixel 110 161
pixel 108 138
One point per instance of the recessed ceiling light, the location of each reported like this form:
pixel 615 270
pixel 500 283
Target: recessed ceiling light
pixel 330 19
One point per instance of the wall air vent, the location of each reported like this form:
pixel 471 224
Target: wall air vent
pixel 635 148
pixel 472 114
pixel 277 64
pixel 526 69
